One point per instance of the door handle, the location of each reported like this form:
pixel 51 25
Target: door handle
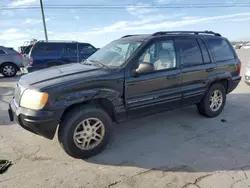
pixel 210 69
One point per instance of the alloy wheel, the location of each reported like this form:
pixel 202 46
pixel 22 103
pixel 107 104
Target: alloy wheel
pixel 216 100
pixel 9 70
pixel 89 133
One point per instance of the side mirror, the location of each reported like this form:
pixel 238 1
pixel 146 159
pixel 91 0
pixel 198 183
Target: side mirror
pixel 134 73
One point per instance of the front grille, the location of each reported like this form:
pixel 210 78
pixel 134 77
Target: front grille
pixel 18 93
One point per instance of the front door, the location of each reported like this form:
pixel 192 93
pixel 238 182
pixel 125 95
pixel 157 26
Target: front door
pixel 159 89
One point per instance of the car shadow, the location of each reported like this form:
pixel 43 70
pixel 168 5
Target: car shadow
pixel 182 140
pixel 10 79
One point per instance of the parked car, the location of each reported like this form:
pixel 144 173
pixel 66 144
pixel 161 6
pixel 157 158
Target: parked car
pixel 245 47
pixel 237 47
pixel 134 76
pixel 47 54
pixel 10 61
pixel 247 73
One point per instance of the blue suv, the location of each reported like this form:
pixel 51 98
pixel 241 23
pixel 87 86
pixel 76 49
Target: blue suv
pixel 47 54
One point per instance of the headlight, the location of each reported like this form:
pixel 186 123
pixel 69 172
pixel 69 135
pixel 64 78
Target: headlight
pixel 33 99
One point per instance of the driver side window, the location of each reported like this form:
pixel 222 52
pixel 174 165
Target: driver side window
pixel 160 55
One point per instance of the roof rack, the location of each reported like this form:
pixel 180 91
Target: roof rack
pixel 128 36
pixel 186 32
pixel 57 41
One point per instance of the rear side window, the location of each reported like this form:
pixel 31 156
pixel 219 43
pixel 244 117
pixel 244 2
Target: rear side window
pixel 69 49
pixel 2 52
pixel 190 52
pixel 205 54
pixel 220 49
pixel 46 49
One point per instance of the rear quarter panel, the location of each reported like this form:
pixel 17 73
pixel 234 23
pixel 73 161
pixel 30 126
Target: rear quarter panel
pixel 224 69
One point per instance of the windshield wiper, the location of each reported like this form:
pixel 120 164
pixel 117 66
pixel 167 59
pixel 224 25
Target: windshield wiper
pixel 98 63
pixel 84 62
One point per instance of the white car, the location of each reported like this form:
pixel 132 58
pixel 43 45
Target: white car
pixel 247 73
pixel 245 47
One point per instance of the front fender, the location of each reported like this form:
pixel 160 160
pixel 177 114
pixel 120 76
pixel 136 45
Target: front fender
pixel 72 98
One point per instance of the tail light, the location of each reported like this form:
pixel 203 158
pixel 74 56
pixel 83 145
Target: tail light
pixel 31 60
pixel 238 67
pixel 20 55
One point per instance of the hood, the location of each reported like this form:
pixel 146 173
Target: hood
pixel 60 75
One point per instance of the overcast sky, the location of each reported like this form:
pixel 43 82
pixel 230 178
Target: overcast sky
pixel 104 25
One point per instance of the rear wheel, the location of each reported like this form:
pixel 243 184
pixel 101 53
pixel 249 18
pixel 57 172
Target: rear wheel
pixel 8 69
pixel 85 131
pixel 213 102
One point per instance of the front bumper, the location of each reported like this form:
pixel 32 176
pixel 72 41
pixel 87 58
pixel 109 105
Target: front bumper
pixel 43 123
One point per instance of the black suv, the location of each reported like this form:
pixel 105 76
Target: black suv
pixel 47 54
pixel 131 77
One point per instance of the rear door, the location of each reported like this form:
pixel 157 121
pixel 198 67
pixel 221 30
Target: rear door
pixel 196 67
pixel 158 90
pixel 68 53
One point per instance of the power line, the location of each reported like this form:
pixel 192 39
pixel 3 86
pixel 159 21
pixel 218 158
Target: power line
pixel 163 6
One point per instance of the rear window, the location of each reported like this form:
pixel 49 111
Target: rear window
pixel 46 49
pixel 221 49
pixel 26 49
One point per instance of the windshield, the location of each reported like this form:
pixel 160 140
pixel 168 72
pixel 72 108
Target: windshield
pixel 115 53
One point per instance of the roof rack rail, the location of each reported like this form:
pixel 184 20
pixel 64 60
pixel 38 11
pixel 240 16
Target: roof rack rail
pixel 186 32
pixel 128 36
pixel 57 41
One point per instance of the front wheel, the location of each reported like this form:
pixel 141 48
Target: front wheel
pixel 213 102
pixel 85 131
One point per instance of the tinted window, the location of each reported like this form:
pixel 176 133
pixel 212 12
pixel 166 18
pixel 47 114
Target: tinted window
pixel 46 49
pixel 190 52
pixel 2 52
pixel 161 55
pixel 69 49
pixel 220 49
pixel 86 49
pixel 205 54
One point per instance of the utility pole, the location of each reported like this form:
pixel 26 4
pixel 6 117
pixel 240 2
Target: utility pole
pixel 44 24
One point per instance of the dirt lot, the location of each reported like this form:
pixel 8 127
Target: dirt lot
pixel 174 149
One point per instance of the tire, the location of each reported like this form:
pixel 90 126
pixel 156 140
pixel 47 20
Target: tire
pixel 8 70
pixel 69 127
pixel 204 107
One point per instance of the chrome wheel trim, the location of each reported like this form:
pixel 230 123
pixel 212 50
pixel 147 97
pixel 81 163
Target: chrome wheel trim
pixel 89 133
pixel 9 70
pixel 216 100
